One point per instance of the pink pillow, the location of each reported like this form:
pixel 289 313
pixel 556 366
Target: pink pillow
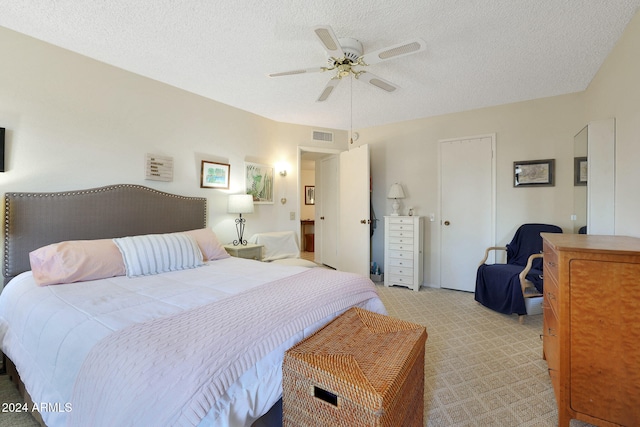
pixel 208 243
pixel 76 261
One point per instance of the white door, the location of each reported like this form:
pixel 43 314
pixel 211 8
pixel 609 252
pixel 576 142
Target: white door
pixel 326 194
pixel 354 229
pixel 467 213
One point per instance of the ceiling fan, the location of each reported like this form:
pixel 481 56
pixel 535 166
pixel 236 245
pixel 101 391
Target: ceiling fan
pixel 345 54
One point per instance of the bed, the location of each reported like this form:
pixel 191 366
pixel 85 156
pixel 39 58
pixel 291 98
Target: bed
pixel 173 340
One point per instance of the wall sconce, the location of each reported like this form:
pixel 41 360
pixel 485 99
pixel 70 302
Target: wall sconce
pixel 240 203
pixel 282 168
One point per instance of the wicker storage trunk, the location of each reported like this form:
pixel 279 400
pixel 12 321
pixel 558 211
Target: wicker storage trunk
pixel 362 369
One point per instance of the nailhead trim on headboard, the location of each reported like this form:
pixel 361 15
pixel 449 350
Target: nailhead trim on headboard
pixel 164 221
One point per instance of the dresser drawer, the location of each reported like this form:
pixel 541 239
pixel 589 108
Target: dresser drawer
pixel 401 246
pixel 401 262
pixel 551 293
pixel 550 261
pixel 400 234
pixel 400 271
pixel 550 337
pixel 400 280
pixel 401 227
pixel 400 220
pixel 400 254
pixel 407 238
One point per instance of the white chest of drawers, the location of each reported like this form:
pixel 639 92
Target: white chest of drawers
pixel 403 251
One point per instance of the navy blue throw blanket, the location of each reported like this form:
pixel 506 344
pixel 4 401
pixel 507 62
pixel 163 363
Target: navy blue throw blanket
pixel 498 285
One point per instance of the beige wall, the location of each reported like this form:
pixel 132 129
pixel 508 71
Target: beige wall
pixel 615 92
pixel 76 123
pixel 538 129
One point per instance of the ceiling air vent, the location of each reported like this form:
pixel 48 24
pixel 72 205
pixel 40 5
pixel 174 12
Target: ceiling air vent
pixel 322 136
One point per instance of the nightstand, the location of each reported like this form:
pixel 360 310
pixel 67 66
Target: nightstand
pixel 248 251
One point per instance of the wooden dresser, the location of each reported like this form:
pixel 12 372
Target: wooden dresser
pixel 591 333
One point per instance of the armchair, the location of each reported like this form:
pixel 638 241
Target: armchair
pixel 504 287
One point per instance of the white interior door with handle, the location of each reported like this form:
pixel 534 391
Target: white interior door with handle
pixel 467 208
pixel 354 224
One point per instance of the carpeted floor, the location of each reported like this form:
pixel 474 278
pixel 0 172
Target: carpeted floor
pixel 482 368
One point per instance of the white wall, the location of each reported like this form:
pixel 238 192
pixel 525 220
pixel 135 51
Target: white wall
pixel 539 129
pixel 408 153
pixel 75 123
pixel 615 92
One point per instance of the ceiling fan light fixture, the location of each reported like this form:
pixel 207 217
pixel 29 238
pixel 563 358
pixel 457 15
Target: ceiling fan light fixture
pixel 346 53
pixel 352 50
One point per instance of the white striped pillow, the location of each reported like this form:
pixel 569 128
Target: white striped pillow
pixel 158 253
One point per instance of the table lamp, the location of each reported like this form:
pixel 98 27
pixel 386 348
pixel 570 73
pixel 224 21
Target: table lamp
pixel 395 193
pixel 240 203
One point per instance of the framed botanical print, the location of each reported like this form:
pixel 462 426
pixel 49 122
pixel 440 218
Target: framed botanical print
pixel 259 182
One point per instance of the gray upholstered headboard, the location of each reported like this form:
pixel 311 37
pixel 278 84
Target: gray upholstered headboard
pixel 33 220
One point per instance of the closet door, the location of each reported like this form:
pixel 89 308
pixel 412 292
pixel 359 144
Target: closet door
pixel 467 192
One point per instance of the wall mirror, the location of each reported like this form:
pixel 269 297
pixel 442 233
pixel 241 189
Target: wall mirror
pixel 579 190
pixel 600 181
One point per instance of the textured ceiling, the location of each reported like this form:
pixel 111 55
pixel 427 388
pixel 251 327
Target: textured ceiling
pixel 479 52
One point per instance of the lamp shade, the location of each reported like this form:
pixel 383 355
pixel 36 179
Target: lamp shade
pixel 395 192
pixel 240 203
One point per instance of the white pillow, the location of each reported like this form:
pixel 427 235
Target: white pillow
pixel 158 253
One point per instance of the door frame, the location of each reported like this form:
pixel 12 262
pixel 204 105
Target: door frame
pixel 493 224
pixel 317 224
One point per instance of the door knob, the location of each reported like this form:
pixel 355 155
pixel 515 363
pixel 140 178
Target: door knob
pixel 447 223
pixel 322 218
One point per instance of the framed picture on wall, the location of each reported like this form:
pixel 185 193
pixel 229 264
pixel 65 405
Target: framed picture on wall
pixel 309 195
pixel 259 182
pixel 580 171
pixel 214 175
pixel 534 173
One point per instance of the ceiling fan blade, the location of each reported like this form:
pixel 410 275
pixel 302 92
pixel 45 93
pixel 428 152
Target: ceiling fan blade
pixel 376 81
pixel 328 89
pixel 329 41
pixel 408 47
pixel 300 71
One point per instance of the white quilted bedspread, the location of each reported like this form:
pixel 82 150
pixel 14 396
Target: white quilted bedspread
pixel 51 334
